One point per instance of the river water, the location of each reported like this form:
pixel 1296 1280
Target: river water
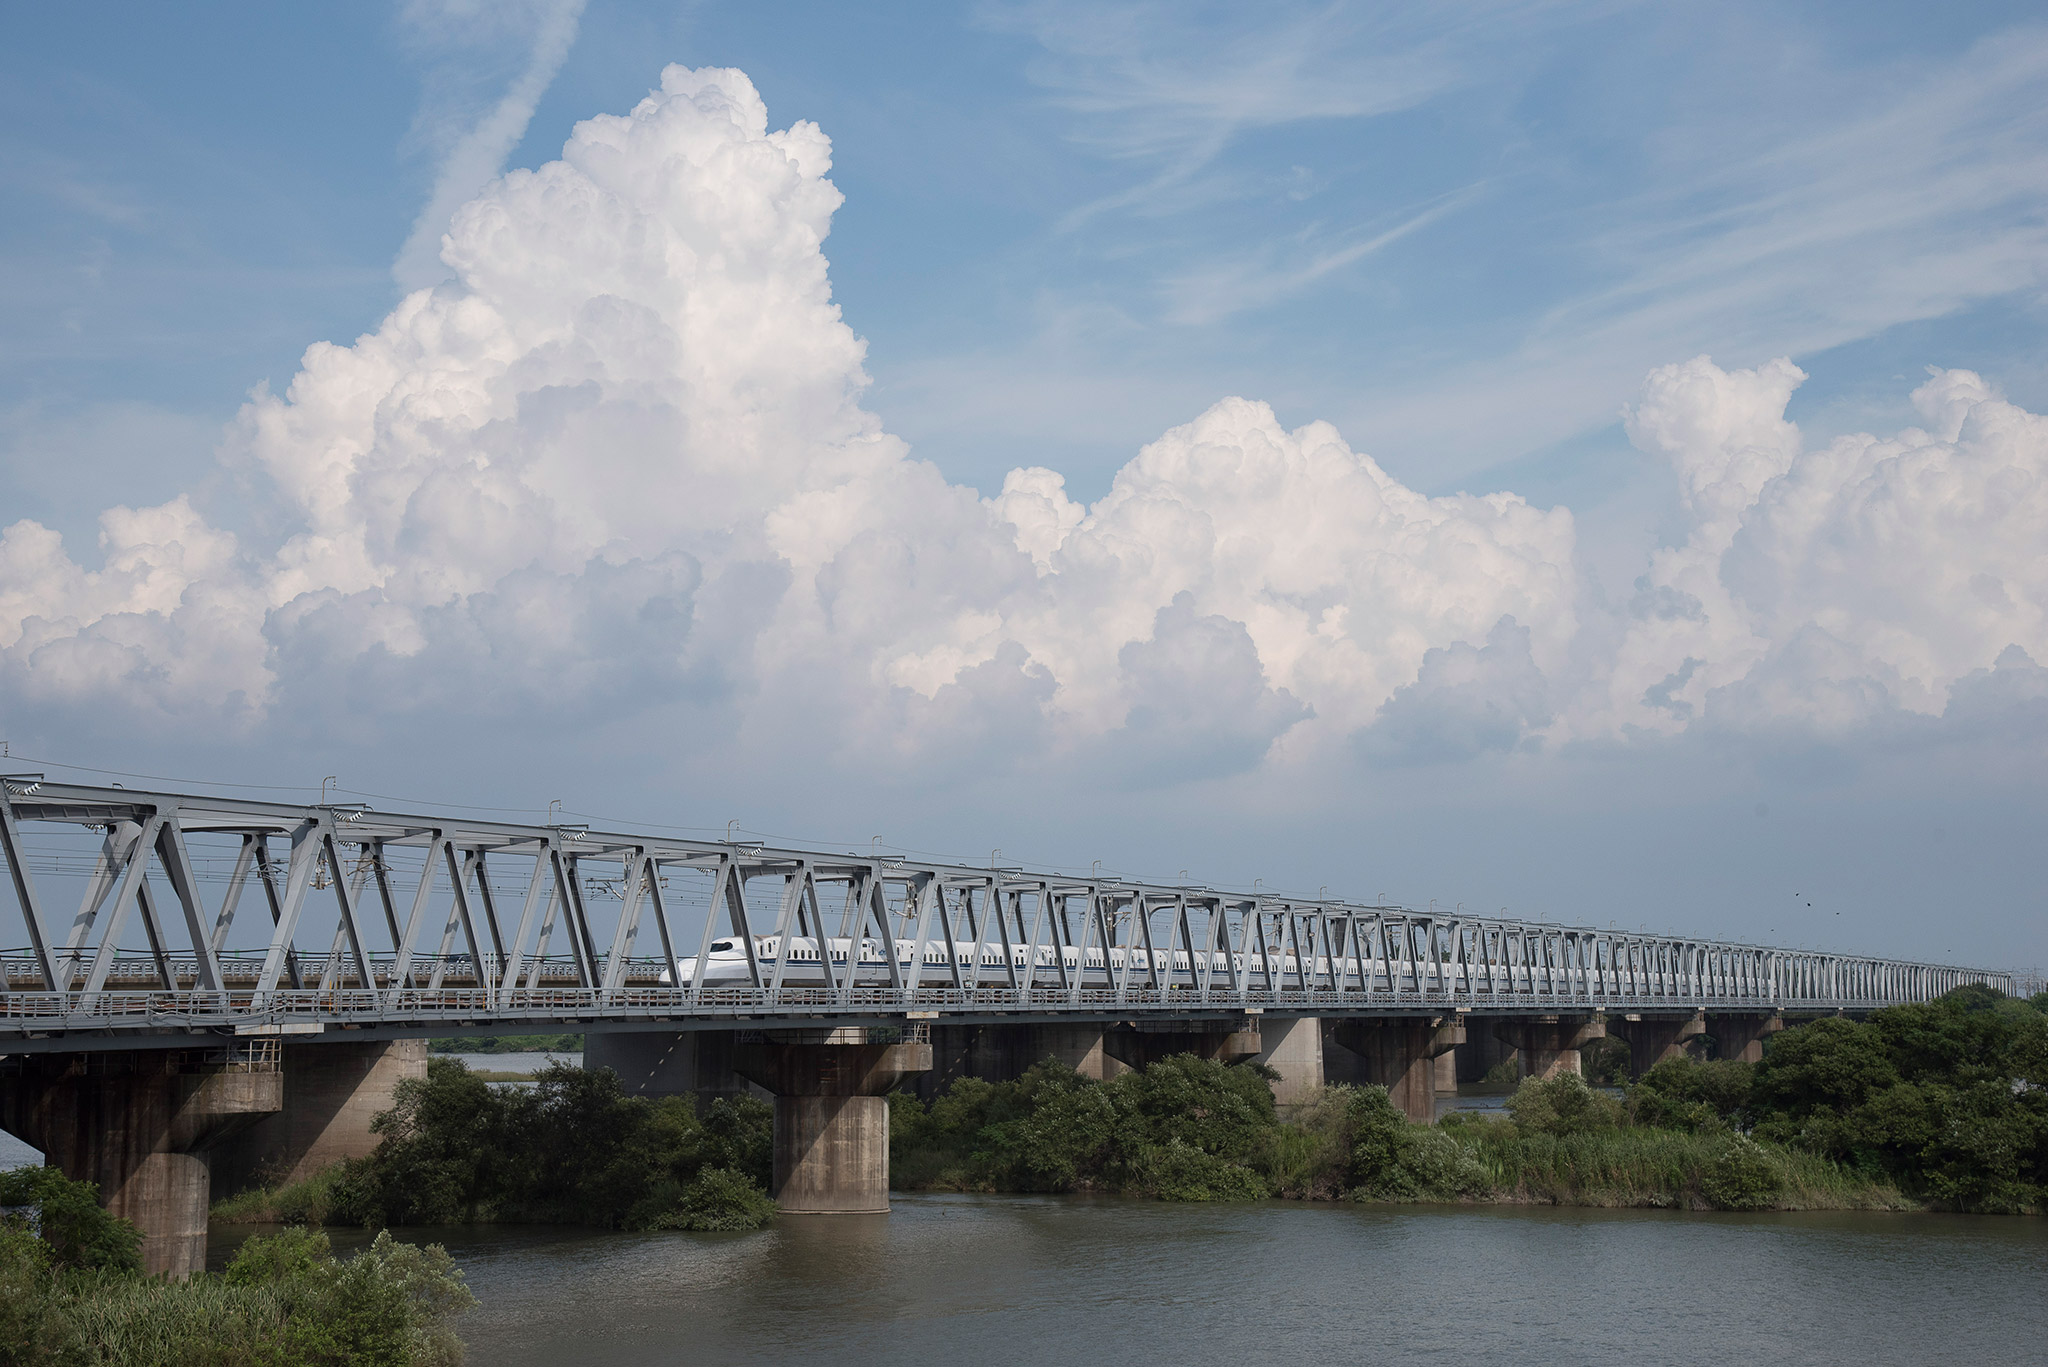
pixel 1027 1280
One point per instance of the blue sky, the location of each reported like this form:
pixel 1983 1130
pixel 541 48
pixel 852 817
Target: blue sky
pixel 1462 235
pixel 1460 238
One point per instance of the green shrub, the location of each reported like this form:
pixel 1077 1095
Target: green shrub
pixel 1310 1157
pixel 391 1303
pixel 325 1197
pixel 30 1331
pixel 1170 1130
pixel 719 1199
pixel 1683 1093
pixel 1742 1177
pixel 572 1148
pixel 80 1234
pixel 1178 1171
pixel 1392 1160
pixel 1430 1165
pixel 284 1302
pixel 1562 1105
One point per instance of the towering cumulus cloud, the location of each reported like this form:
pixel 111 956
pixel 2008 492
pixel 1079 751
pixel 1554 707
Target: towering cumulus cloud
pixel 620 459
pixel 1830 589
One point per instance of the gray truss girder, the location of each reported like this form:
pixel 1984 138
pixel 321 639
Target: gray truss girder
pixel 25 895
pixel 1066 944
pixel 133 860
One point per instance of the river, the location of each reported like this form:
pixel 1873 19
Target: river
pixel 1025 1280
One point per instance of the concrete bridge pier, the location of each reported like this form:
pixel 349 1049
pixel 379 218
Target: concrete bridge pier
pixel 1652 1039
pixel 1550 1045
pixel 331 1093
pixel 831 1114
pixel 1447 1072
pixel 140 1123
pixel 1399 1054
pixel 692 1063
pixel 1292 1046
pixel 1740 1035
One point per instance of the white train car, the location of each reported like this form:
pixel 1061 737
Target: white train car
pixel 726 965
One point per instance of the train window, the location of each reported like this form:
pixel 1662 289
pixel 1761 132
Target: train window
pixel 720 946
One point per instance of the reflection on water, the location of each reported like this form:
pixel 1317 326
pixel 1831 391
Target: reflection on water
pixel 1062 1279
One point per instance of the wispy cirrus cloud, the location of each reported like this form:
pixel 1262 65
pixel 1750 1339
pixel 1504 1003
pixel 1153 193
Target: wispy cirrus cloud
pixel 1648 192
pixel 1216 290
pixel 1903 204
pixel 1912 201
pixel 1169 88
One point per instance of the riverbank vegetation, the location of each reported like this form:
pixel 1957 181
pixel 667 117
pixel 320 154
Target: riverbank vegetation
pixel 1189 1129
pixel 72 1295
pixel 570 1149
pixel 1942 1105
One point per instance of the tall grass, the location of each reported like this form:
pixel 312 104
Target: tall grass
pixel 285 1301
pixel 1636 1166
pixel 308 1201
pixel 147 1323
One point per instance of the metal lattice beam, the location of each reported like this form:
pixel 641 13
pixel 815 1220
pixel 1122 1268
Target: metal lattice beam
pixel 911 935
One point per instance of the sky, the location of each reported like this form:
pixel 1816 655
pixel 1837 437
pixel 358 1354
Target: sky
pixel 1581 459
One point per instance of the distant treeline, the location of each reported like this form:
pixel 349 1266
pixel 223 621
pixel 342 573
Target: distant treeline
pixel 508 1044
pixel 1944 1104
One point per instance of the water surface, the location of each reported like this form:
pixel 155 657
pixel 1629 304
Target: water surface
pixel 525 1064
pixel 1026 1280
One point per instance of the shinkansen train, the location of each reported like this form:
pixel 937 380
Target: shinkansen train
pixel 726 964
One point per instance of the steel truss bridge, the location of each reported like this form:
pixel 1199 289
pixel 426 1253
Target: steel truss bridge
pixel 401 925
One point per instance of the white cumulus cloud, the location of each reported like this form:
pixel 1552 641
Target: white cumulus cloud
pixel 621 459
pixel 1822 588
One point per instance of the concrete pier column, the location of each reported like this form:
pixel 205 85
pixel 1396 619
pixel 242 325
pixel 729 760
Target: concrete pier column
pixel 692 1063
pixel 1652 1039
pixel 139 1124
pixel 1398 1053
pixel 1740 1035
pixel 831 1114
pixel 1292 1046
pixel 332 1091
pixel 1550 1045
pixel 1447 1073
